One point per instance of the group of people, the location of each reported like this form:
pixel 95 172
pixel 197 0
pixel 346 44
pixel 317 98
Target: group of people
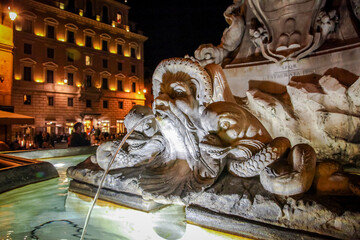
pixel 46 140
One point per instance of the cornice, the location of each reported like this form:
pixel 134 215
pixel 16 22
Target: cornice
pixel 41 7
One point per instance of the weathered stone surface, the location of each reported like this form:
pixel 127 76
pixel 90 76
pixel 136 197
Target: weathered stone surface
pixel 332 216
pixel 323 111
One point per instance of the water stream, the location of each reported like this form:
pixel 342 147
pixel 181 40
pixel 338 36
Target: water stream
pixel 106 172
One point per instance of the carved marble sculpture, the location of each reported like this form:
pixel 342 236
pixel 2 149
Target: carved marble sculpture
pixel 280 30
pixel 199 133
pixel 232 36
pixel 142 147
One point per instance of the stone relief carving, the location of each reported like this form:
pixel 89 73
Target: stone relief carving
pixel 289 31
pixel 231 39
pixel 197 133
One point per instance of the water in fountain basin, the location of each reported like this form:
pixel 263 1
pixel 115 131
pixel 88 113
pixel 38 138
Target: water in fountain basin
pixel 107 170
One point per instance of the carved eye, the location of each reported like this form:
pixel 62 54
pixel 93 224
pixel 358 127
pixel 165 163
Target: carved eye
pixel 224 125
pixel 146 126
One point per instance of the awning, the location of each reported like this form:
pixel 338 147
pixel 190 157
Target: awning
pixel 7 118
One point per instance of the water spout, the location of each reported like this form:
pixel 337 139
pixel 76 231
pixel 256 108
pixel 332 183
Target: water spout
pixel 107 170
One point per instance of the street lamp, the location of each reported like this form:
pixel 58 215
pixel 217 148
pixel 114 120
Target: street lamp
pixel 12 14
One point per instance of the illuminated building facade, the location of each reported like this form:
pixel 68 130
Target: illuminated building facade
pixel 76 61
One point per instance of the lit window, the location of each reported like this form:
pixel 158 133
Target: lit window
pixel 27 99
pixel 51 101
pixel 118 18
pixel 120 128
pixel 88 61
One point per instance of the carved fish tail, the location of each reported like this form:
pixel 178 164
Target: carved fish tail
pixel 253 166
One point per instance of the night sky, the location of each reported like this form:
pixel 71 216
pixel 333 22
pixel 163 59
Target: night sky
pixel 175 27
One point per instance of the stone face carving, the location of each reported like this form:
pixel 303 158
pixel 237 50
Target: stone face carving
pixel 232 36
pixel 199 133
pixel 290 30
pixel 142 147
pixel 356 8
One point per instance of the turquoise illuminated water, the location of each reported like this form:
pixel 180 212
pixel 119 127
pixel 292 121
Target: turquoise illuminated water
pixel 47 211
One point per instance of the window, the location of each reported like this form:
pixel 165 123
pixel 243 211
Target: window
pixel 50 31
pixel 27 48
pixel 70 36
pixel 120 66
pixel 104 45
pixel 118 18
pixel 88 41
pixel 88 103
pixel 51 101
pixel 119 49
pixel 120 85
pixel 27 99
pixel 133 68
pixel 88 9
pixel 49 76
pixel 105 14
pixel 88 81
pixel 105 104
pixel 27 26
pixel 120 128
pixel 70 56
pixel 133 52
pixel 121 105
pixel 50 52
pixel 27 74
pixel 71 102
pixel 70 78
pixel 104 84
pixel 105 63
pixel 133 87
pixel 88 60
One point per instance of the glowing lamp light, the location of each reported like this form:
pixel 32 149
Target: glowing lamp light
pixel 127 28
pixel 81 12
pixel 39 80
pixel 80 44
pixel 39 34
pixel 61 39
pixel 112 89
pixel 144 90
pixel 98 18
pixel 65 80
pixel 138 92
pixel 113 24
pixel 17 77
pixel 127 90
pixel 78 85
pixel 62 6
pixel 60 83
pixel 12 15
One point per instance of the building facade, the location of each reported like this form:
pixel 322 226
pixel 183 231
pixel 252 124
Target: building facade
pixel 76 61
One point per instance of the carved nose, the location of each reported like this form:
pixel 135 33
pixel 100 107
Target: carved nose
pixel 162 101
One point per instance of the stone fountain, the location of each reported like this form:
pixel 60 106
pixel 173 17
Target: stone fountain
pixel 273 159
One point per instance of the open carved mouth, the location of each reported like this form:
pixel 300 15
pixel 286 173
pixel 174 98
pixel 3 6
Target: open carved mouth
pixel 136 145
